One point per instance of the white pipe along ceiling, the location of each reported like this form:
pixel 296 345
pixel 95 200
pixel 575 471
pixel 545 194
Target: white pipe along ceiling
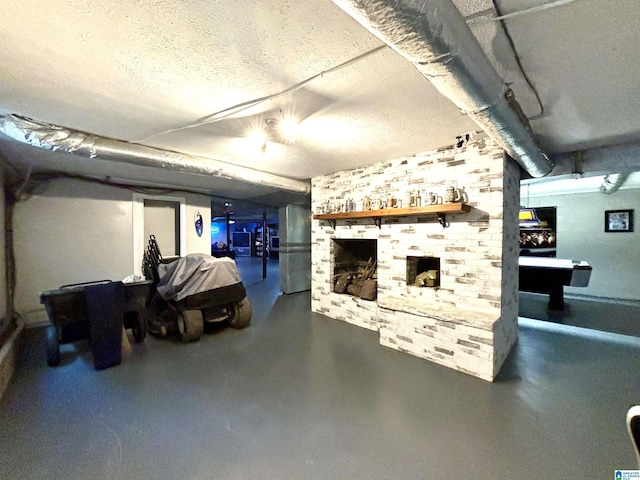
pixel 437 40
pixel 613 182
pixel 56 139
pixel 626 159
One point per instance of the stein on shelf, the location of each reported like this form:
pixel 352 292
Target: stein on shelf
pixel 349 205
pixel 452 195
pixel 393 202
pixel 408 199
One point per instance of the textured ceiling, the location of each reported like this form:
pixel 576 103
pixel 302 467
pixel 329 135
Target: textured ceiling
pixel 583 60
pixel 132 70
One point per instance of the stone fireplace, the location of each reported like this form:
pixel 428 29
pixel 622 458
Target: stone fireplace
pixel 351 254
pixel 355 267
pixel 448 293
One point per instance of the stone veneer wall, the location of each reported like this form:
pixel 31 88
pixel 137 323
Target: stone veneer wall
pixel 506 332
pixel 478 253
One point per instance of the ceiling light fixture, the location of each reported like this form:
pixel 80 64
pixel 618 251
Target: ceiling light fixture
pixel 289 129
pixel 236 109
pixel 282 130
pixel 258 139
pixel 271 127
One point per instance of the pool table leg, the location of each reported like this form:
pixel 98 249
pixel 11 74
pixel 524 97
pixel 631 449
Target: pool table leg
pixel 556 299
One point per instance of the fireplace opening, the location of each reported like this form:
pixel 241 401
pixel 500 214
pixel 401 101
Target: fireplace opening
pixel 423 271
pixel 355 267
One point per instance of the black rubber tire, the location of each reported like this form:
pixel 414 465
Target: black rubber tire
pixel 139 326
pixel 53 346
pixel 240 314
pixel 190 325
pixel 156 306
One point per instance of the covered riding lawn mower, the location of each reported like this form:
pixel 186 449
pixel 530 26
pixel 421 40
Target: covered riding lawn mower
pixel 189 291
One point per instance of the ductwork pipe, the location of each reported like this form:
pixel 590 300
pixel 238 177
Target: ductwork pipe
pixel 613 182
pixel 434 36
pixel 58 139
pixel 624 158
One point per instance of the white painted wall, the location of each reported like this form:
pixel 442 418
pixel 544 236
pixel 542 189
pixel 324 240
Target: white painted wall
pixel 162 219
pixel 77 232
pixel 615 257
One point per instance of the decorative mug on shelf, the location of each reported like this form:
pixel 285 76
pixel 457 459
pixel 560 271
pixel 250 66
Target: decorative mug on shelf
pixel 453 194
pixel 349 206
pixel 430 199
pixel 406 199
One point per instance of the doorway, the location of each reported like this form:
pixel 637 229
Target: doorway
pixel 162 216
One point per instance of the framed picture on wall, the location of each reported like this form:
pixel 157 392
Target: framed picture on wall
pixel 618 221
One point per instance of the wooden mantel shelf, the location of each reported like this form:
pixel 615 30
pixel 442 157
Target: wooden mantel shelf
pixel 439 209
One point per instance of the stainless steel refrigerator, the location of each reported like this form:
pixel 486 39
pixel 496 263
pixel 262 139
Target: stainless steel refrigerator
pixel 295 248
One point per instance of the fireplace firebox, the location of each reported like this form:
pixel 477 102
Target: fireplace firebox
pixel 423 271
pixel 355 267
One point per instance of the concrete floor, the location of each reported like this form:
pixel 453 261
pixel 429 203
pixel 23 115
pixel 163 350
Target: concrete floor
pixel 301 396
pixel 622 318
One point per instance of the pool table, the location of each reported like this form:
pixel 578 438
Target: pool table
pixel 550 275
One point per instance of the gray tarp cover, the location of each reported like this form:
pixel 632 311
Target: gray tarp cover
pixel 195 273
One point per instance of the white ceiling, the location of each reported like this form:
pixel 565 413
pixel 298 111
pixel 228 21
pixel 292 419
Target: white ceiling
pixel 133 70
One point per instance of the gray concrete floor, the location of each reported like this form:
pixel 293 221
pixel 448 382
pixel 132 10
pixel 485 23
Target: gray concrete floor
pixel 301 396
pixel 586 313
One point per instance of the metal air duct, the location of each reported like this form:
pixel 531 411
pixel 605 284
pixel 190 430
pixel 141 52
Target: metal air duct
pixel 624 158
pixel 59 139
pixel 613 182
pixel 434 36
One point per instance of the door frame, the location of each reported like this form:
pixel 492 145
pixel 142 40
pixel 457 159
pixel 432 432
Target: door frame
pixel 138 225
